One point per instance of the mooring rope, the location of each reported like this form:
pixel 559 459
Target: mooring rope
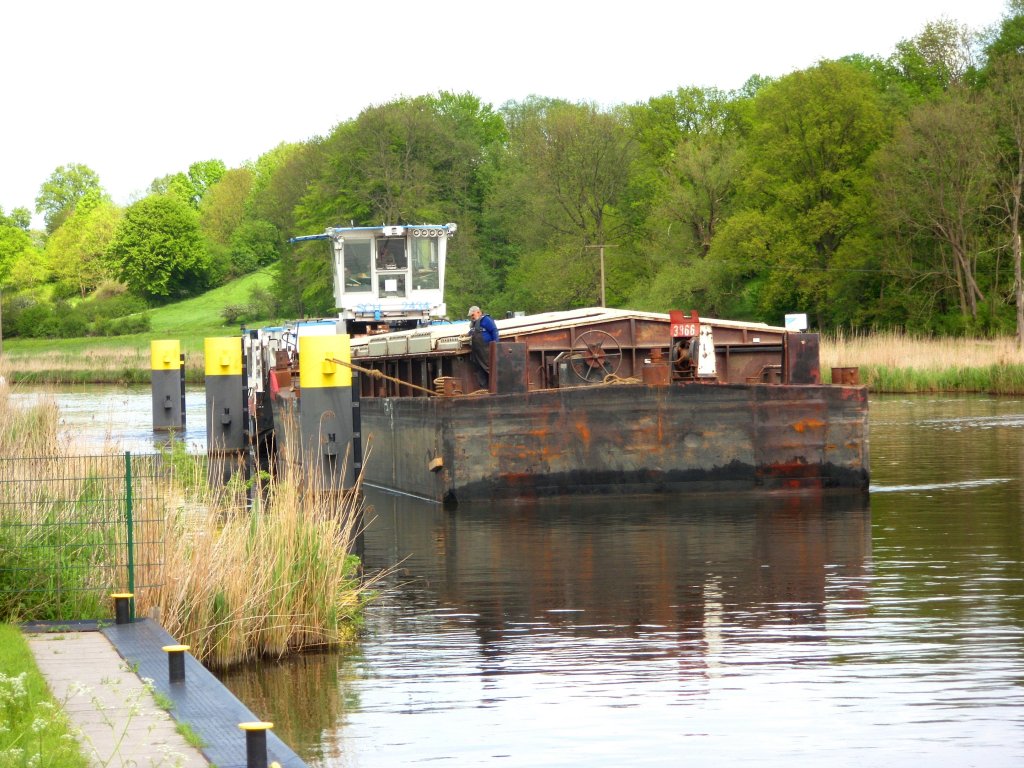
pixel 611 378
pixel 380 375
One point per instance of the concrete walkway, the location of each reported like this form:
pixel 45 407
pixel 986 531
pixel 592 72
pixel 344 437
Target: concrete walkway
pixel 120 724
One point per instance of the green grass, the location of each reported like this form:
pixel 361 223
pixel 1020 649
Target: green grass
pixel 200 317
pixel 189 734
pixel 191 320
pixel 1001 379
pixel 33 729
pixel 125 359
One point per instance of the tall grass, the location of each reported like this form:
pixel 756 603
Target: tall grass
pixel 271 581
pixel 894 362
pixel 233 583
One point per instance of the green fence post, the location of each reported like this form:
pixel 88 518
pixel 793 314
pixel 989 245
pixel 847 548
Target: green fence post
pixel 131 528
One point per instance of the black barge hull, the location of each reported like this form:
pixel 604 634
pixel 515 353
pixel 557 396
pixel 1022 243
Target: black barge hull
pixel 618 439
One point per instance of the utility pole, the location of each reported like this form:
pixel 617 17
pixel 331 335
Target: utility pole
pixel 601 248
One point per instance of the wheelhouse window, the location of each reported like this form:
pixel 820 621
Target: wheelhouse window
pixel 391 253
pixel 391 286
pixel 424 263
pixel 357 266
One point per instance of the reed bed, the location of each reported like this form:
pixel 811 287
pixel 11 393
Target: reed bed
pixel 269 581
pixel 94 365
pixel 895 362
pixel 233 582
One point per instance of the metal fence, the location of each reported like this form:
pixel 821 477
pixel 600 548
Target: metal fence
pixel 75 529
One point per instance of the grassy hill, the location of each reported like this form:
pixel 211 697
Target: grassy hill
pixel 202 315
pixel 125 359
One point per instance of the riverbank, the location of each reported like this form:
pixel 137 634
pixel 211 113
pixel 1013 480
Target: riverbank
pixel 887 362
pixel 897 363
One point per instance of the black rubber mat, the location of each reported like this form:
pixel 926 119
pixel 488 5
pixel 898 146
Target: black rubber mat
pixel 82 625
pixel 201 700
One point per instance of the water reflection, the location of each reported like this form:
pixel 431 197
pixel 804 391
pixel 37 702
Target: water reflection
pixel 765 629
pixel 585 609
pixel 710 630
pixel 642 567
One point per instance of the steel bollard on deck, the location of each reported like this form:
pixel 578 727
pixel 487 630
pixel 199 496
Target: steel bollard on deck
pixel 176 662
pixel 256 743
pixel 122 607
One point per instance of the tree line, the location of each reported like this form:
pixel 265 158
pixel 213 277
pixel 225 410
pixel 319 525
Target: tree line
pixel 867 192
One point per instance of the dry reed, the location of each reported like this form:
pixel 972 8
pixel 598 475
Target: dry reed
pixel 277 579
pixel 894 362
pixel 232 583
pixel 895 350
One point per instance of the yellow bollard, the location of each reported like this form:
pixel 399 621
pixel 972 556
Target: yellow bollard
pixel 256 743
pixel 176 662
pixel 122 607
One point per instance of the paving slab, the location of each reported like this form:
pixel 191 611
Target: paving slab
pixel 97 676
pixel 201 700
pixel 120 725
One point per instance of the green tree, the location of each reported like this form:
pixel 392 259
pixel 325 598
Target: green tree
pixel 192 186
pixel 254 243
pixel 1008 39
pixel 223 206
pixel 158 249
pixel 1004 102
pixel 813 133
pixel 76 252
pixel 568 169
pixel 938 58
pixel 681 190
pixel 936 188
pixel 14 241
pixel 60 193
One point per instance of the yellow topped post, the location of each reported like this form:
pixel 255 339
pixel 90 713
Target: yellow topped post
pixel 223 356
pixel 175 662
pixel 122 607
pixel 327 411
pixel 165 354
pixel 225 406
pixel 317 369
pixel 167 374
pixel 256 743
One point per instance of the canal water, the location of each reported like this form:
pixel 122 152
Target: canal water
pixel 769 630
pixel 759 629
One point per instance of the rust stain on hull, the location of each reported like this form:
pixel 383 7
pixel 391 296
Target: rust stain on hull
pixel 621 439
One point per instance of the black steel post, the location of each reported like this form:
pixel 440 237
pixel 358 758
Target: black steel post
pixel 122 608
pixel 176 662
pixel 256 743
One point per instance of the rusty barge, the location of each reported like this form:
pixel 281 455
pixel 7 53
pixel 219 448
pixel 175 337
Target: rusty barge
pixel 606 401
pixel 593 400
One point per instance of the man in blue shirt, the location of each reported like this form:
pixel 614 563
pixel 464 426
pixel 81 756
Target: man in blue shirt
pixel 482 333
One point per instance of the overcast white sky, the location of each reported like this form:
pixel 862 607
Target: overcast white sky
pixel 136 90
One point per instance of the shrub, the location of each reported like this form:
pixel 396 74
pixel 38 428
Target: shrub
pixel 233 313
pixel 262 304
pixel 108 289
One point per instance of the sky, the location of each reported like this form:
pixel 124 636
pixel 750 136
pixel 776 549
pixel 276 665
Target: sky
pixel 141 89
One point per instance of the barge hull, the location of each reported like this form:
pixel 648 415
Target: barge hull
pixel 618 439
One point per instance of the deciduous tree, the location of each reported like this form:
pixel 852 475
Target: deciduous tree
pixel 936 188
pixel 60 193
pixel 813 133
pixel 1004 99
pixel 76 252
pixel 158 250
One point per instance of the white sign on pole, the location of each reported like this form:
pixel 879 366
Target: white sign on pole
pixel 796 322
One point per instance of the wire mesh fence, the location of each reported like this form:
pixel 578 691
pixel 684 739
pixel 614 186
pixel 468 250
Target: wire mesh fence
pixel 75 529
